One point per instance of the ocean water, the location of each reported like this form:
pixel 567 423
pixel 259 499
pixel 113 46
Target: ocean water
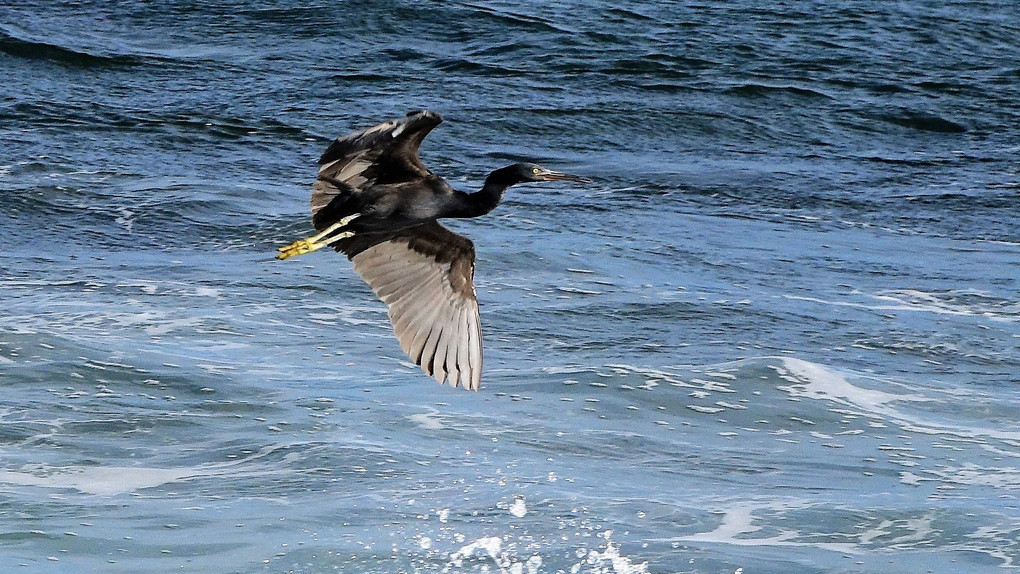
pixel 780 333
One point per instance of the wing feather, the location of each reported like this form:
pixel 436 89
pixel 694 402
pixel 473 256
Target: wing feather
pixel 400 294
pixel 428 351
pixel 457 345
pixel 425 275
pixel 464 341
pixel 418 342
pixel 448 341
pixel 395 279
pixel 410 313
pixel 474 350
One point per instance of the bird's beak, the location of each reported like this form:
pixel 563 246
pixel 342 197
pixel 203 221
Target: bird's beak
pixel 550 175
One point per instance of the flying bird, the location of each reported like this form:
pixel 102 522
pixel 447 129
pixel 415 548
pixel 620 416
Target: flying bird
pixel 377 203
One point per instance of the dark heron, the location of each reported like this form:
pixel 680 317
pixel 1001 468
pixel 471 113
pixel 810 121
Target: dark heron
pixel 375 202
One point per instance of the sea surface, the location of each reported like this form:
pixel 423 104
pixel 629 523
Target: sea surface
pixel 779 333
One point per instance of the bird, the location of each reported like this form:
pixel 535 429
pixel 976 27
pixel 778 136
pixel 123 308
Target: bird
pixel 375 201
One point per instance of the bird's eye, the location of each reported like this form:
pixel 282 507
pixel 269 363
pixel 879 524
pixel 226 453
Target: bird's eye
pixel 536 171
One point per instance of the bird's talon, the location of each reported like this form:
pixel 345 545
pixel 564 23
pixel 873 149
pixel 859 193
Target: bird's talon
pixel 299 247
pixel 309 244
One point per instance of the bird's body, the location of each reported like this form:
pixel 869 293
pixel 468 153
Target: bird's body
pixel 378 204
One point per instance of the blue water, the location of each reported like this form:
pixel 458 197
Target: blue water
pixel 779 333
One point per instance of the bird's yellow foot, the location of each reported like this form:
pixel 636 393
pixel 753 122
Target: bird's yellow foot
pixel 319 240
pixel 309 244
pixel 299 247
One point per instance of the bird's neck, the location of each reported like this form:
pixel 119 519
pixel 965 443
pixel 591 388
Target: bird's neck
pixel 484 200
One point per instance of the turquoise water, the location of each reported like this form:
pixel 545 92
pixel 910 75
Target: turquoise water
pixel 779 333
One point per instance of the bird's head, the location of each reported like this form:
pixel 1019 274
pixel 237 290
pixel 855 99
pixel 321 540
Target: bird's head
pixel 529 172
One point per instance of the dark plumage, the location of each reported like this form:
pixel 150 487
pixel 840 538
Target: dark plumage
pixel 378 204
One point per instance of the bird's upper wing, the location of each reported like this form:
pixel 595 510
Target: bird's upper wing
pixel 386 153
pixel 425 275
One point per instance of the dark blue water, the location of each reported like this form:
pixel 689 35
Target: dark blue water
pixel 779 333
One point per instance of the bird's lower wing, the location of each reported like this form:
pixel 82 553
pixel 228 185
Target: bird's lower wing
pixel 425 275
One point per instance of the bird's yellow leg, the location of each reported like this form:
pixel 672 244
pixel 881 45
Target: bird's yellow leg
pixel 319 240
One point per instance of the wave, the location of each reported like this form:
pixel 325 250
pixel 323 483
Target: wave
pixel 800 401
pixel 764 90
pixel 922 121
pixel 950 302
pixel 72 56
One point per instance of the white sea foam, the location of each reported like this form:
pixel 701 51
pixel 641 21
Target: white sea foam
pixel 489 546
pixel 947 303
pixel 504 554
pixel 743 523
pixel 116 480
pixel 817 382
pixel 429 421
pixel 814 381
pixel 518 508
pixel 619 563
pixel 104 481
pixel 977 303
pixel 740 522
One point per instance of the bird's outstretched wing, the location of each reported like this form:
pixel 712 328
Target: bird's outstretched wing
pixel 425 274
pixel 386 153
